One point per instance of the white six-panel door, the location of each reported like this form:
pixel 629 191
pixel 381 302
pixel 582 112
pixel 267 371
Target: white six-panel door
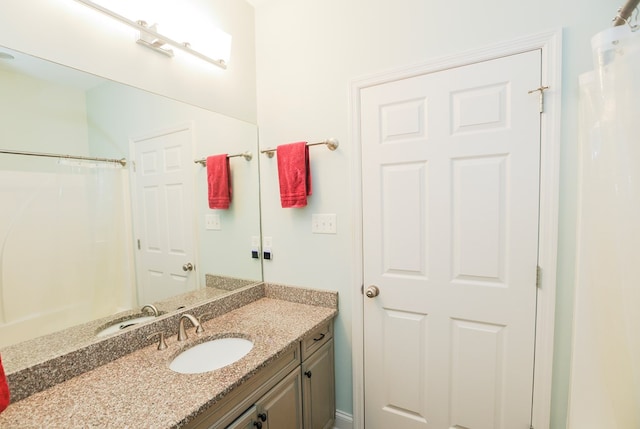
pixel 450 173
pixel 164 214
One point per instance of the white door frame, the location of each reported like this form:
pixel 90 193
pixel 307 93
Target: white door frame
pixel 550 43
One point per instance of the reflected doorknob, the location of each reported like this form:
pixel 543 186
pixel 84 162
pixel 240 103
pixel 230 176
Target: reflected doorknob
pixel 372 291
pixel 187 267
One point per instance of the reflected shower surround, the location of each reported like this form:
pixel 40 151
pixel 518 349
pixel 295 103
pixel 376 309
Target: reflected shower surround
pixel 605 385
pixel 62 228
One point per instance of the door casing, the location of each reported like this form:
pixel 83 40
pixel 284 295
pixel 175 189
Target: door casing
pixel 550 44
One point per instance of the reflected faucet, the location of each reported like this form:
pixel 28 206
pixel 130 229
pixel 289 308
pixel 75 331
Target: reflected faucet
pixel 182 334
pixel 151 307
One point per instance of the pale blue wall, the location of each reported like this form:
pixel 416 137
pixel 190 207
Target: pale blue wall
pixel 309 52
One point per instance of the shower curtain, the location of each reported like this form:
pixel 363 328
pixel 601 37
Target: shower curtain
pixel 605 369
pixel 63 246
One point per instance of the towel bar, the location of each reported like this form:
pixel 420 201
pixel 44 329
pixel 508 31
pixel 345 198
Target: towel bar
pixel 246 155
pixel 332 144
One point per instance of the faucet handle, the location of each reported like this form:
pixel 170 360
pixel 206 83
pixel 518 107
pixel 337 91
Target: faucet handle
pixel 162 344
pixel 151 307
pixel 201 320
pixel 182 333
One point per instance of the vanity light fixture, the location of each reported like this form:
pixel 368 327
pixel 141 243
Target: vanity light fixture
pixel 148 36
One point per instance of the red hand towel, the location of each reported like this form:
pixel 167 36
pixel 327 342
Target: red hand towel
pixel 219 181
pixel 4 389
pixel 294 174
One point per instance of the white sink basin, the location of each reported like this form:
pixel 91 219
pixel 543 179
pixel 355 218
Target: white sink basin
pixel 117 327
pixel 211 355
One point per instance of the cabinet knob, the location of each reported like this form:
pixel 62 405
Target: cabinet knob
pixel 308 374
pixel 258 425
pixel 262 417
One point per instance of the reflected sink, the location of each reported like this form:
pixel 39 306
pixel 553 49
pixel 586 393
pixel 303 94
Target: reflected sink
pixel 210 355
pixel 118 326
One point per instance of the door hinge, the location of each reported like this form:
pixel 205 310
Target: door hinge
pixel 138 244
pixel 540 90
pixel 362 289
pixel 538 276
pixel 133 165
pixel 531 427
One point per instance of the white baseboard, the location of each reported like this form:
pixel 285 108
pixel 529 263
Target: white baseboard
pixel 343 420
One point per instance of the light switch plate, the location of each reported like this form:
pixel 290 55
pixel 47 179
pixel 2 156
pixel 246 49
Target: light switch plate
pixel 323 223
pixel 212 221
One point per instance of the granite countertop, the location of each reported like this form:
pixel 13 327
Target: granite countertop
pixel 140 391
pixel 37 350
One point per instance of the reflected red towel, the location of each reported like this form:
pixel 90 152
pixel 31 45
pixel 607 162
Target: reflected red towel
pixel 294 174
pixel 219 181
pixel 4 389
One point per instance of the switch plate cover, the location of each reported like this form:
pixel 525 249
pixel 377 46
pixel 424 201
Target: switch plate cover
pixel 323 223
pixel 212 221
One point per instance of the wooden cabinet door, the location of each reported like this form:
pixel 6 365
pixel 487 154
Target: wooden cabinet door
pixel 281 408
pixel 319 403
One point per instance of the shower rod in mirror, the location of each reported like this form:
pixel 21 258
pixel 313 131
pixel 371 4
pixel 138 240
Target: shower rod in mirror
pixel 332 144
pixel 121 161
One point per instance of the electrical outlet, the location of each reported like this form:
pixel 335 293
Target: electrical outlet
pixel 212 221
pixel 255 247
pixel 323 223
pixel 267 251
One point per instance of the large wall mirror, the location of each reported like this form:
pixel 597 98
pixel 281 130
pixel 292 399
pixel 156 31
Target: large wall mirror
pixel 81 240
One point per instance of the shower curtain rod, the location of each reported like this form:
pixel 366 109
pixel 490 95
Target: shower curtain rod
pixel 122 161
pixel 625 12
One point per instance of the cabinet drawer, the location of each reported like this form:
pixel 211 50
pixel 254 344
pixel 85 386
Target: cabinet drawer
pixel 234 404
pixel 316 339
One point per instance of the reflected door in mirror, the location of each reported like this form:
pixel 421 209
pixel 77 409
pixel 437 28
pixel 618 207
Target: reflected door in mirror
pixel 164 213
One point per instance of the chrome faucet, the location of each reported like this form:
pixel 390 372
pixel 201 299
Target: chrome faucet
pixel 151 307
pixel 182 334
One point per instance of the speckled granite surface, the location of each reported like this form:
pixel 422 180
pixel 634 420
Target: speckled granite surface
pixel 226 283
pixel 321 298
pixel 140 391
pixel 38 364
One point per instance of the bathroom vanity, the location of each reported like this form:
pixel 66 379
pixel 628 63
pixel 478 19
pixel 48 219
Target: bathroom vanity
pixel 285 381
pixel 295 391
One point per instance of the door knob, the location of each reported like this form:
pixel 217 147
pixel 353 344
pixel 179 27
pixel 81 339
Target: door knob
pixel 187 267
pixel 372 291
